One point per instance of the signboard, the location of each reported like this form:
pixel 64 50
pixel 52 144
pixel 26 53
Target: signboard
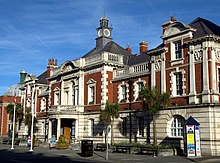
pixel 193 138
pixel 191 151
pixel 197 139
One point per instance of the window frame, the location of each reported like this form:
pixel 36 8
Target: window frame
pixel 91 127
pixel 124 92
pixel 91 95
pixel 140 132
pixel 56 98
pixel 179 83
pixel 218 77
pixel 176 127
pixel 178 49
pixel 124 126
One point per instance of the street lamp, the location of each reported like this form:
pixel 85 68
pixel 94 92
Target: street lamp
pixel 13 132
pixel 32 119
pixel 130 108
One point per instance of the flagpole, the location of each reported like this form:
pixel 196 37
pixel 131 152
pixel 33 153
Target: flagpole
pixel 32 120
pixel 13 132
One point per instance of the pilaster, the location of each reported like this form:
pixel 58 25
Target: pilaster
pixel 192 93
pixel 205 92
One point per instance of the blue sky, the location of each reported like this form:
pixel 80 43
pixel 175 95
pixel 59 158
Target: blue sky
pixel 32 31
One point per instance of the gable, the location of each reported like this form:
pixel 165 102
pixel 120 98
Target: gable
pixel 175 29
pixel 68 66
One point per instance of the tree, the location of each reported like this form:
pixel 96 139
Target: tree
pixel 108 116
pixel 18 112
pixel 153 100
pixel 28 118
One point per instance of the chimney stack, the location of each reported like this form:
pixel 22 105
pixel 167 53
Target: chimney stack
pixel 143 46
pixel 51 65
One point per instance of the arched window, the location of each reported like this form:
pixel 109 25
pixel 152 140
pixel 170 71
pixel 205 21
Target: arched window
pixel 176 127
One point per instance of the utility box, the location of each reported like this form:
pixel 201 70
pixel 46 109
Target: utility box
pixel 87 148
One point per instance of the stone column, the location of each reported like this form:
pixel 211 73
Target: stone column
pixel 50 129
pixel 58 127
pixel 153 72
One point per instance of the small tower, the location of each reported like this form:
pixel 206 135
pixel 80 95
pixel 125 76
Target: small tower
pixel 22 76
pixel 104 33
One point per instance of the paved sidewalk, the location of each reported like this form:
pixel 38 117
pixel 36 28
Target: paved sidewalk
pixel 43 154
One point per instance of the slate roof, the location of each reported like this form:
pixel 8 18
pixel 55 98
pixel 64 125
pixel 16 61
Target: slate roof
pixel 111 47
pixel 42 78
pixel 204 27
pixel 138 58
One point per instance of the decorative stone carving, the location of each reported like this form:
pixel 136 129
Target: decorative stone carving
pixel 198 55
pixel 157 65
pixel 217 54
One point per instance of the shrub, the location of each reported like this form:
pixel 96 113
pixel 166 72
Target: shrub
pixel 61 143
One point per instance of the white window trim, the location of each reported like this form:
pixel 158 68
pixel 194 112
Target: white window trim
pixel 56 94
pixel 66 96
pixel 43 104
pixel 120 97
pixel 91 128
pixel 173 58
pixel 169 132
pixel 218 81
pixel 173 89
pixel 91 83
pixel 136 88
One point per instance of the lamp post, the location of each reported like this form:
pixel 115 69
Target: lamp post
pixel 32 120
pixel 13 132
pixel 130 108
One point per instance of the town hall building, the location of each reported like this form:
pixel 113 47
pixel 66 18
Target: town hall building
pixel 67 99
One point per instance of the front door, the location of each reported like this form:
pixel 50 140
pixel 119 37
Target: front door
pixel 67 134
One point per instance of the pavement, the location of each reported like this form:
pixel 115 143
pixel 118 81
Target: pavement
pixel 23 154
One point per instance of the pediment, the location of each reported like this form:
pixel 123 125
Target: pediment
pixel 56 89
pixel 68 66
pixel 176 29
pixel 91 81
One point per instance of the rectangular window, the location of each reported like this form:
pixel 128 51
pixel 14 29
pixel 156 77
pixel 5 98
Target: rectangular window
pixel 74 97
pixel 141 126
pixel 124 126
pixel 54 127
pixel 218 80
pixel 57 98
pixel 92 127
pixel 179 83
pixel 124 97
pixel 178 49
pixel 91 94
pixel 67 97
pixel 140 86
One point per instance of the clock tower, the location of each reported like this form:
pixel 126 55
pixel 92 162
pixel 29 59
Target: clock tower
pixel 104 33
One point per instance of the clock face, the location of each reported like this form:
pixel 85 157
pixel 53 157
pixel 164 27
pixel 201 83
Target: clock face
pixel 100 33
pixel 106 32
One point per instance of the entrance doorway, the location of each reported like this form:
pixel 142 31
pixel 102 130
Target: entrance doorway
pixel 68 129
